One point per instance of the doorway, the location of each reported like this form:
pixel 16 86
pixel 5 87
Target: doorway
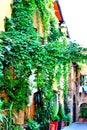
pixel 74 109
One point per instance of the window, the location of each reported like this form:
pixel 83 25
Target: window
pixel 83 82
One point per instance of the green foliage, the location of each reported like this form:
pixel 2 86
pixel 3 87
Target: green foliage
pixel 45 110
pixel 83 112
pixel 16 92
pixel 6 118
pixel 65 92
pixel 21 48
pixel 60 112
pixel 54 34
pixel 67 119
pixel 55 118
pixel 66 105
pixel 32 125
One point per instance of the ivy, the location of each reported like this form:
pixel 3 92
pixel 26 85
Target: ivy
pixel 22 50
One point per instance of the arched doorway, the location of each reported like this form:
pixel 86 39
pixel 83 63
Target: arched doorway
pixel 83 110
pixel 74 109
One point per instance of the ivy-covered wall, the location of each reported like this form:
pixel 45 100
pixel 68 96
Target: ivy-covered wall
pixel 22 50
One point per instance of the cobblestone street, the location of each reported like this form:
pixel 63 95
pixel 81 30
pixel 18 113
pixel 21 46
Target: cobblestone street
pixel 76 126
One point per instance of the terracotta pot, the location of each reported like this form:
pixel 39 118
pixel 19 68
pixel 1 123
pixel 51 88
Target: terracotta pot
pixel 56 124
pixel 85 120
pixel 80 119
pixel 52 126
pixel 63 123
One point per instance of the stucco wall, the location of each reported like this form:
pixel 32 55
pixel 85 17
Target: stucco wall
pixel 5 10
pixel 84 69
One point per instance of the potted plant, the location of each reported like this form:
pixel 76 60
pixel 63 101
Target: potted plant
pixel 80 118
pixel 6 118
pixel 68 118
pixel 83 115
pixel 32 124
pixel 54 122
pixel 64 121
pixel 61 115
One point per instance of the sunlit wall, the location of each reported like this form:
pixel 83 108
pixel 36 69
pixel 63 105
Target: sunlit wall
pixel 5 11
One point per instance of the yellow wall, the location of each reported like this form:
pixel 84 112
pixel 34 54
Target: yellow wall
pixel 38 24
pixel 84 69
pixel 5 10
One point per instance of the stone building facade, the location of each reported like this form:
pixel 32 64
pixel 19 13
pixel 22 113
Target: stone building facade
pixel 77 94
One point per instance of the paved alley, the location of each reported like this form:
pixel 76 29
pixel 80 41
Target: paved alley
pixel 76 126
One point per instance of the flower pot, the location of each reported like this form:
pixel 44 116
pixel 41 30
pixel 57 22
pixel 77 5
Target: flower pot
pixel 85 120
pixel 80 119
pixel 63 124
pixel 56 124
pixel 52 126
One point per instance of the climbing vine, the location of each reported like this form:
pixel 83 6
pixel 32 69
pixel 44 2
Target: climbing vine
pixel 21 51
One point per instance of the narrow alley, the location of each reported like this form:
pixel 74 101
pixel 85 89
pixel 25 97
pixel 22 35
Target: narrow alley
pixel 43 65
pixel 76 126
